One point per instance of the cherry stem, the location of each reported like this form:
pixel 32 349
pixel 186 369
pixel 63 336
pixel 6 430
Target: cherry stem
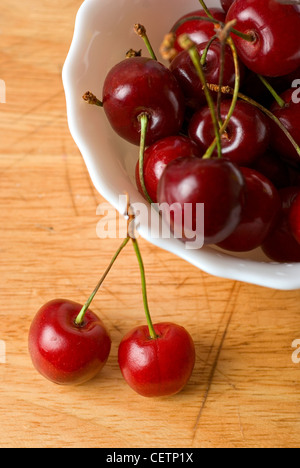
pixel 228 90
pixel 141 31
pixel 235 94
pixel 80 317
pixel 275 95
pixel 90 98
pixel 206 9
pixel 221 78
pixel 187 44
pixel 205 52
pixel 247 37
pixel 152 332
pixel 144 120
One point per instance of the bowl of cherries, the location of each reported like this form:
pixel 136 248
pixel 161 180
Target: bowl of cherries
pixel 196 103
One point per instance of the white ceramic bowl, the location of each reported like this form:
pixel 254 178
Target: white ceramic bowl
pixel 103 34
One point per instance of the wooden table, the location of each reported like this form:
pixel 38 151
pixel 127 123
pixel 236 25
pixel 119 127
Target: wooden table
pixel 245 390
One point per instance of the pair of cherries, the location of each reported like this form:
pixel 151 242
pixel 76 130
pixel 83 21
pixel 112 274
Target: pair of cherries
pixel 69 345
pixel 251 195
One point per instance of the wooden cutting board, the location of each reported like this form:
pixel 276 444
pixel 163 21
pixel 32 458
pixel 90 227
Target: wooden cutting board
pixel 245 390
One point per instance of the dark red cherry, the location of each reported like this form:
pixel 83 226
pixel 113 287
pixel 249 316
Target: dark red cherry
pixel 199 31
pixel 294 218
pixel 275 27
pixel 158 156
pixel 184 71
pixel 216 183
pixel 290 118
pixel 226 4
pixel 141 85
pixel 274 168
pixel 260 212
pixel 247 136
pixel 280 245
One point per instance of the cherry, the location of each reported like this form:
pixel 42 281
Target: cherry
pixel 64 352
pixel 280 245
pixel 246 138
pixel 156 360
pixel 142 86
pixel 274 168
pixel 184 71
pixel 157 367
pixel 294 218
pixel 217 183
pixel 259 214
pixel 226 4
pixel 289 115
pixel 199 31
pixel 67 342
pixel 275 30
pixel 158 156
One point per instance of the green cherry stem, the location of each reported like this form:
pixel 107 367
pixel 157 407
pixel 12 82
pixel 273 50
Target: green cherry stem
pixel 206 9
pixel 235 93
pixel 186 43
pixel 228 90
pixel 80 317
pixel 152 332
pixel 141 31
pixel 205 52
pixel 248 37
pixel 275 95
pixel 144 120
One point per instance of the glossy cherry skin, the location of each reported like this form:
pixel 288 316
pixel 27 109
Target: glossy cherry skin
pixel 157 367
pixel 158 156
pixel 294 218
pixel 247 136
pixel 260 212
pixel 216 183
pixel 280 245
pixel 276 29
pixel 290 118
pixel 199 31
pixel 184 71
pixel 63 352
pixel 226 4
pixel 142 85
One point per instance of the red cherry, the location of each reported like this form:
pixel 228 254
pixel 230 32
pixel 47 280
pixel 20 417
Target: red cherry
pixel 226 4
pixel 275 27
pixel 184 71
pixel 217 183
pixel 157 367
pixel 158 156
pixel 289 116
pixel 280 245
pixel 260 212
pixel 294 218
pixel 63 352
pixel 272 167
pixel 247 136
pixel 139 86
pixel 199 31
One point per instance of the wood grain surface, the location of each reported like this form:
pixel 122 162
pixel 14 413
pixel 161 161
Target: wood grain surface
pixel 245 390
